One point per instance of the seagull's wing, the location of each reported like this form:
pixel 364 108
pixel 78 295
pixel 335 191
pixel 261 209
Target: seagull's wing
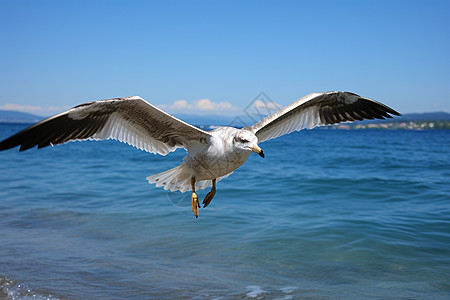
pixel 130 120
pixel 320 109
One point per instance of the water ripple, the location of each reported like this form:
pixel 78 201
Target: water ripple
pixel 327 214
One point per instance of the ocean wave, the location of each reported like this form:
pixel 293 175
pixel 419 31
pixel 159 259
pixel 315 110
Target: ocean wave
pixel 15 290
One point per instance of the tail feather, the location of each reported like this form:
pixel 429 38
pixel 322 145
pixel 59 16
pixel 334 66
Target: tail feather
pixel 179 179
pixel 174 179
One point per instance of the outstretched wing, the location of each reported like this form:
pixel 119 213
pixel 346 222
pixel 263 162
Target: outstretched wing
pixel 130 120
pixel 320 109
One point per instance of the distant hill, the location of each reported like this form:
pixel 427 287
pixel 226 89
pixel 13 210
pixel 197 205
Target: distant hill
pixel 244 120
pixel 434 120
pixel 433 116
pixel 225 120
pixel 10 116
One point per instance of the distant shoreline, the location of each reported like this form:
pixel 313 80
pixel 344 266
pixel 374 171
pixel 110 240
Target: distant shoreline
pixel 413 121
pixel 422 125
pixel 411 125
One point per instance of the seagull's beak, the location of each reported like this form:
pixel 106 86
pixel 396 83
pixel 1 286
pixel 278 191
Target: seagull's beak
pixel 258 150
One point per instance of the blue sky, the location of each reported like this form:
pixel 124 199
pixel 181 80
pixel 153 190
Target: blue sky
pixel 217 56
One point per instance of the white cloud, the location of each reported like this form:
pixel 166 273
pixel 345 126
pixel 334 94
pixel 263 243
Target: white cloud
pixel 269 105
pixel 205 104
pixel 202 106
pixel 35 109
pixel 180 104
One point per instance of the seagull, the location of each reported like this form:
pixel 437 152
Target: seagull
pixel 211 155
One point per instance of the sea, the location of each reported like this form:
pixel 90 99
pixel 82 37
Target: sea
pixel 328 214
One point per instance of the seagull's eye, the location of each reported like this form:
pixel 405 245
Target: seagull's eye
pixel 244 141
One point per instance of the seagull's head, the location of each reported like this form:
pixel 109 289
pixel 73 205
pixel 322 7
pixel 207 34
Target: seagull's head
pixel 247 141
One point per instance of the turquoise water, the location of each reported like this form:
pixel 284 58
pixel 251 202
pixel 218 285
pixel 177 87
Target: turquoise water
pixel 326 215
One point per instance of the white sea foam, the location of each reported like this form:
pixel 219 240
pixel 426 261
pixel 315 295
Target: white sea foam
pixel 289 289
pixel 255 291
pixel 11 289
pixel 285 297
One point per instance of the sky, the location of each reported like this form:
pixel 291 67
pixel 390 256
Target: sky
pixel 216 57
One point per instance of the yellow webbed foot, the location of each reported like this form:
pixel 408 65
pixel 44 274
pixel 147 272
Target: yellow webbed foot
pixel 195 204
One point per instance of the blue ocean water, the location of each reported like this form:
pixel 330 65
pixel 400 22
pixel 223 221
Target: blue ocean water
pixel 328 214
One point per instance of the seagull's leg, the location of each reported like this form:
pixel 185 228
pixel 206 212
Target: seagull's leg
pixel 210 195
pixel 195 204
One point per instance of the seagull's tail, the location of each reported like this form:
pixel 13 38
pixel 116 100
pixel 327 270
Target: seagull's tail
pixel 176 179
pixel 179 179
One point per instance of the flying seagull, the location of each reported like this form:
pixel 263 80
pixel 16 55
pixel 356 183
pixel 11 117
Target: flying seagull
pixel 211 155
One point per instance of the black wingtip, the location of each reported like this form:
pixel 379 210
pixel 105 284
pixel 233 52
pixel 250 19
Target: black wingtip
pixel 382 107
pixel 8 144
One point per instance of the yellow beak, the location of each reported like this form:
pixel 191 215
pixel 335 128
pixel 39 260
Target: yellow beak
pixel 258 150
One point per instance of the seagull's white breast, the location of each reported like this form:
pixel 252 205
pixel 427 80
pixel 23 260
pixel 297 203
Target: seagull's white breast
pixel 219 158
